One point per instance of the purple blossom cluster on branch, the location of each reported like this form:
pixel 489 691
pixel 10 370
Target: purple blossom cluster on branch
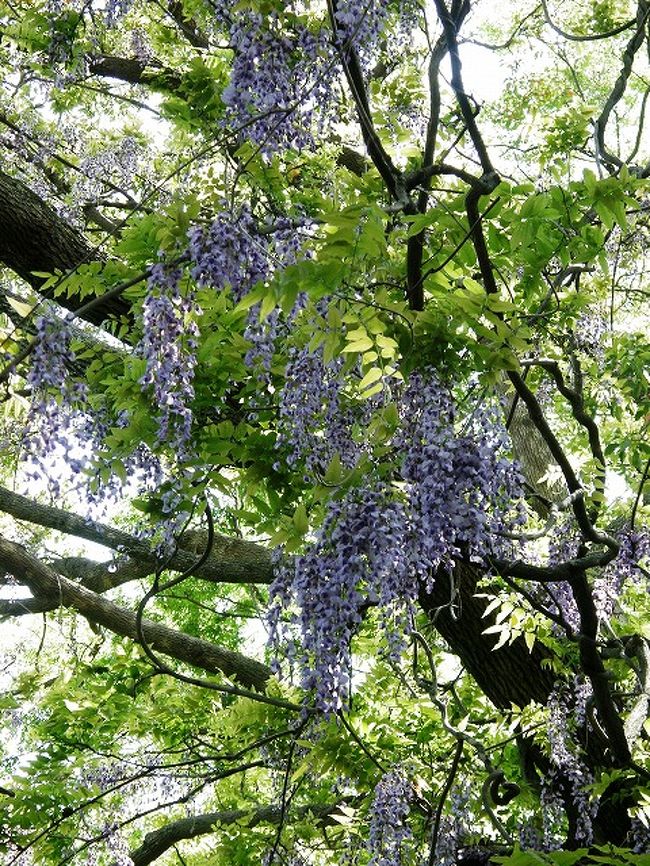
pixel 118 163
pixel 454 826
pixel 57 405
pixel 313 425
pixel 234 254
pixel 357 560
pixel 142 468
pixel 365 26
pixel 360 23
pixel 168 345
pixel 278 80
pixel 563 544
pixel 376 544
pixel 626 568
pixel 116 9
pixel 589 335
pixel 566 706
pixel 229 254
pixel 389 831
pixel 284 248
pixel 461 487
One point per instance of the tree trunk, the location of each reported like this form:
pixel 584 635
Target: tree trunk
pixel 33 237
pixel 508 676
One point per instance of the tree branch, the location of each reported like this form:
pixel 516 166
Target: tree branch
pixel 389 172
pixel 158 841
pixel 590 37
pixel 629 53
pixel 35 238
pixel 573 484
pixel 231 560
pixel 43 581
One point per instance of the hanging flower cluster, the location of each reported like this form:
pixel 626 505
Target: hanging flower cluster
pixel 566 708
pixel 57 404
pixel 378 543
pixel 168 345
pixel 229 254
pixel 360 23
pixel 460 486
pixel 358 559
pixel 313 425
pixel 389 831
pixel 277 80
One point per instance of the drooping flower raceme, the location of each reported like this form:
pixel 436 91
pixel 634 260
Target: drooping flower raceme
pixel 359 559
pixel 378 542
pixel 627 567
pixel 57 401
pixel 360 22
pixel 168 345
pixel 282 246
pixel 229 254
pixel 116 9
pixel 313 425
pixel 459 486
pixel 389 831
pixel 563 708
pixel 277 80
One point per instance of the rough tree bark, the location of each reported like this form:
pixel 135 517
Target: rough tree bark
pixel 35 238
pixel 507 676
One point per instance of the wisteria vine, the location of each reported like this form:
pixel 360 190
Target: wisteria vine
pixel 378 542
pixel 169 342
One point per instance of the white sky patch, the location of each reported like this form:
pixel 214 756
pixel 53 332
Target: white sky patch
pixel 484 75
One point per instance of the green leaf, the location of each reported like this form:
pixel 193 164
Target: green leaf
pixel 334 470
pixel 371 376
pixel 300 519
pixel 359 345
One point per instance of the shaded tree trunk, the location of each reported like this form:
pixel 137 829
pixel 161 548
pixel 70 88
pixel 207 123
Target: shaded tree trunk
pixel 34 238
pixel 507 676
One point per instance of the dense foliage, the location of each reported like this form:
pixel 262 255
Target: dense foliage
pixel 325 434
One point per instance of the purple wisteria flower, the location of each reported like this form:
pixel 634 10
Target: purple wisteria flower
pixel 58 402
pixel 359 559
pixel 378 542
pixel 389 831
pixel 229 254
pixel 360 23
pixel 626 568
pixel 461 488
pixel 313 424
pixel 168 345
pixel 116 9
pixel 277 80
pixel 565 706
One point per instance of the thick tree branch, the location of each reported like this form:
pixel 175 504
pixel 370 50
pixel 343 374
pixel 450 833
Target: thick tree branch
pixel 415 244
pixel 620 85
pixel 231 560
pixel 43 581
pixel 576 400
pixel 594 668
pixel 573 484
pixel 133 71
pixel 35 238
pixel 507 676
pixel 158 841
pixel 450 25
pixel 389 172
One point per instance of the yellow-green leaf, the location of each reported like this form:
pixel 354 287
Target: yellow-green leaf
pixel 373 374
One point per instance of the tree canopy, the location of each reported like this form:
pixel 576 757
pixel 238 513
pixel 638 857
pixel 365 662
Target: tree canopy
pixel 324 503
